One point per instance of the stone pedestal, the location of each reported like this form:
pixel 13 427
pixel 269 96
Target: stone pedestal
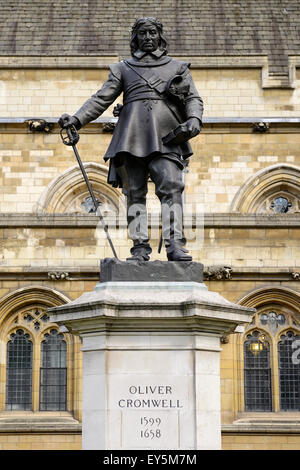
pixel 151 353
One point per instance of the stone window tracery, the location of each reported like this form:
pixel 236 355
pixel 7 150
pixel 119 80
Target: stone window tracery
pixel 280 203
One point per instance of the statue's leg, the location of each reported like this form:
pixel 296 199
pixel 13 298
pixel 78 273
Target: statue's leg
pixel 134 175
pixel 167 177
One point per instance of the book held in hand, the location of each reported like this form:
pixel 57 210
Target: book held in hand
pixel 178 136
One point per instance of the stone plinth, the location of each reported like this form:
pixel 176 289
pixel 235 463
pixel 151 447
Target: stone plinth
pixel 151 352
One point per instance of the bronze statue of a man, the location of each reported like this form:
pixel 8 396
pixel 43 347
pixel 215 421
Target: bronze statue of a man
pixel 161 111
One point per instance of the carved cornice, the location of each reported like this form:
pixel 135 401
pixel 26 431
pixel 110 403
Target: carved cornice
pixel 221 220
pixel 92 273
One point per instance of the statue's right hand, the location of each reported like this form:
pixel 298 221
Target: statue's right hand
pixel 66 120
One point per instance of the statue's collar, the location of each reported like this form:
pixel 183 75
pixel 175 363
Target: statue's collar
pixel 157 58
pixel 138 54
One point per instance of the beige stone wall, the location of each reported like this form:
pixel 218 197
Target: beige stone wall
pixel 40 441
pixel 224 159
pixel 71 247
pixel 231 92
pixel 260 442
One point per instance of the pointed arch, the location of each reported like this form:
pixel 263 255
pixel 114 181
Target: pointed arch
pixel 67 191
pixel 256 195
pixel 272 294
pixel 29 295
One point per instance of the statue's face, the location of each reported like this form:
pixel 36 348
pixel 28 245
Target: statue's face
pixel 148 37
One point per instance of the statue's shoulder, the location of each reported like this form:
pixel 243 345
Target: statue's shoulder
pixel 181 66
pixel 116 69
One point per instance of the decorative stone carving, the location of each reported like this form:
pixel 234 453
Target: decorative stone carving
pixel 224 339
pixel 109 127
pixel 58 276
pixel 272 320
pixel 296 276
pixel 39 125
pixel 217 273
pixel 261 127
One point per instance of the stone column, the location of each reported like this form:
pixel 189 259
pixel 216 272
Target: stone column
pixel 151 356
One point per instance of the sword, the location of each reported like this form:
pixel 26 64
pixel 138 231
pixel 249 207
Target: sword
pixel 72 139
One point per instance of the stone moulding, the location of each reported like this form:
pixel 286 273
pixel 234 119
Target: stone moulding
pixel 91 273
pixel 38 423
pixel 262 428
pixel 266 295
pixel 216 220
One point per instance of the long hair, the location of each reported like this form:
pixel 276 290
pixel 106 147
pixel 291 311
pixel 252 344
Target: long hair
pixel 139 22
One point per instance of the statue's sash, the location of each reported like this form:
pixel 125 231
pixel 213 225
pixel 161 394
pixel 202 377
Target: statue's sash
pixel 160 86
pixel 152 80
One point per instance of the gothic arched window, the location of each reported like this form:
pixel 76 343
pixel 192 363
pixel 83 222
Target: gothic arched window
pixel 36 363
pixel 289 371
pixel 257 373
pixel 53 372
pixel 272 360
pixel 19 372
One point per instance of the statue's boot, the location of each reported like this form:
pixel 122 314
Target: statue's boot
pixel 140 252
pixel 176 251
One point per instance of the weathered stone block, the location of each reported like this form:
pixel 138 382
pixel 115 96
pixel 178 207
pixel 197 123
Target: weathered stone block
pixel 116 270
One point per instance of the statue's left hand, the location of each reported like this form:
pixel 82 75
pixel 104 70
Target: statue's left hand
pixel 193 126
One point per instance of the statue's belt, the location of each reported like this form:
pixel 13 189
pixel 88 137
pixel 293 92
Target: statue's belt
pixel 143 97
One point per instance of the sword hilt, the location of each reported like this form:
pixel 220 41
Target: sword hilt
pixel 72 136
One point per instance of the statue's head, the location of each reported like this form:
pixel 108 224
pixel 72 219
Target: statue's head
pixel 147 35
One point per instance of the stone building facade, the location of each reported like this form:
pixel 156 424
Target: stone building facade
pixel 242 201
